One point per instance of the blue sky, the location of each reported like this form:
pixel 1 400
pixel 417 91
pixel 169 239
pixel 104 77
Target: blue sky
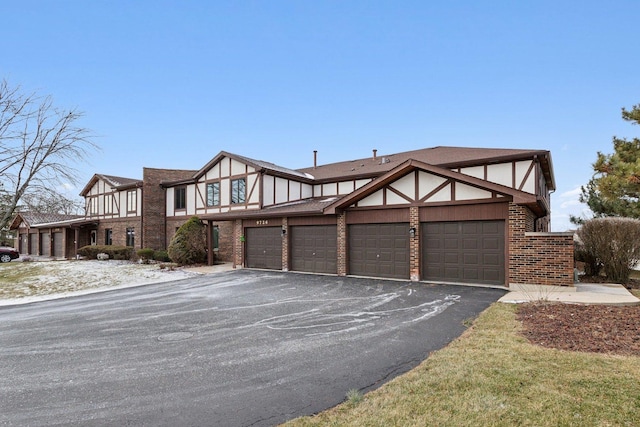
pixel 170 84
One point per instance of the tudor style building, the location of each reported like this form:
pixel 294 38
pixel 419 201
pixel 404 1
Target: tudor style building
pixel 442 214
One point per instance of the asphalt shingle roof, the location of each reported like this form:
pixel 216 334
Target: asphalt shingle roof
pixel 438 156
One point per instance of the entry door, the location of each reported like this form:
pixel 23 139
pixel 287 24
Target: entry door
pixel 379 250
pixel 463 251
pixel 264 248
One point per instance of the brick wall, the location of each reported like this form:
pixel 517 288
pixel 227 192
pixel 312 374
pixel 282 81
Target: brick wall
pixel 238 242
pixel 537 258
pixel 154 232
pixel 414 244
pixel 119 231
pixel 342 244
pixel 285 245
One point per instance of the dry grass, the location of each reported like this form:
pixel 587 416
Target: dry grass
pixel 493 376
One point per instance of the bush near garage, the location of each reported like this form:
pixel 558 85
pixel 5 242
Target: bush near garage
pixel 612 244
pixel 189 245
pixel 162 256
pixel 114 252
pixel 145 255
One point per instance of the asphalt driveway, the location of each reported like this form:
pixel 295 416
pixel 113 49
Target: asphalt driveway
pixel 242 348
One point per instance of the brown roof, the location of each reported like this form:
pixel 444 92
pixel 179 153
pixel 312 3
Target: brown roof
pixel 33 219
pixel 449 157
pixel 118 182
pixel 299 207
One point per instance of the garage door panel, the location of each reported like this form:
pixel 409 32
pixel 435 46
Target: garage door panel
pixel 379 250
pixel 459 251
pixel 491 260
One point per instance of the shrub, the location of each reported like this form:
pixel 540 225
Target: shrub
pixel 114 252
pixel 145 255
pixel 162 256
pixel 189 245
pixel 612 242
pixel 592 265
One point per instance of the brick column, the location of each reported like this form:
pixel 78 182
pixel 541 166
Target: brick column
pixel 414 244
pixel 285 245
pixel 238 244
pixel 342 244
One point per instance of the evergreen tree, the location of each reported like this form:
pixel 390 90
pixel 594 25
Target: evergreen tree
pixel 614 189
pixel 189 245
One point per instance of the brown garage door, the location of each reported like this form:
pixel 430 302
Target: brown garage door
pixel 57 245
pixel 314 248
pixel 45 244
pixel 33 244
pixel 379 250
pixel 463 251
pixel 264 248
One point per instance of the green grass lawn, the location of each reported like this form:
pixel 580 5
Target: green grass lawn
pixel 492 376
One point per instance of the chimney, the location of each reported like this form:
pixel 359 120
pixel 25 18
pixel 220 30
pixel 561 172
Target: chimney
pixel 375 154
pixel 315 159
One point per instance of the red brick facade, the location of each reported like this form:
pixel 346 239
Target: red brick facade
pixel 156 233
pixel 537 258
pixel 342 244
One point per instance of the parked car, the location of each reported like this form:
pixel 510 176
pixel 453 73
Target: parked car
pixel 7 254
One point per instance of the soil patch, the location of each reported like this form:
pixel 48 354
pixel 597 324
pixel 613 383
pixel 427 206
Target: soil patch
pixel 588 328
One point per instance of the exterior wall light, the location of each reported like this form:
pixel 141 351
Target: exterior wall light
pixel 412 232
pixel 283 232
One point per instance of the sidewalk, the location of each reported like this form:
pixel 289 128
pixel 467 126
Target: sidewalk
pixel 206 269
pixel 581 293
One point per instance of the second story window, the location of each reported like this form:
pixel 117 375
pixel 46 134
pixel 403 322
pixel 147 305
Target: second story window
pixel 180 198
pixel 93 206
pixel 132 200
pixel 213 194
pixel 238 190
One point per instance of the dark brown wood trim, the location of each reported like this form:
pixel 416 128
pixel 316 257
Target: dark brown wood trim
pixel 404 196
pixel 526 177
pixel 436 190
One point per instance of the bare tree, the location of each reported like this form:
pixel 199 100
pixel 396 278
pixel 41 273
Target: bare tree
pixel 39 143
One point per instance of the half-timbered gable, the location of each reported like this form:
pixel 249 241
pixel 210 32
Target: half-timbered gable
pixel 418 184
pixel 111 197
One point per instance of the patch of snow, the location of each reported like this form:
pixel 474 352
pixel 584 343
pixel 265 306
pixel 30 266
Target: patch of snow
pixel 61 279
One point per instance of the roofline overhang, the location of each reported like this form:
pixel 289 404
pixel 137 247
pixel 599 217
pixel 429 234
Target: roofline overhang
pixel 136 184
pixel 517 196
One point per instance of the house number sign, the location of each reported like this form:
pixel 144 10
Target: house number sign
pixel 262 222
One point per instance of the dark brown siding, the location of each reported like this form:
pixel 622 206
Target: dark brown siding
pixel 465 212
pixel 378 216
pixel 312 220
pixel 379 250
pixel 464 251
pixel 264 248
pixel 314 248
